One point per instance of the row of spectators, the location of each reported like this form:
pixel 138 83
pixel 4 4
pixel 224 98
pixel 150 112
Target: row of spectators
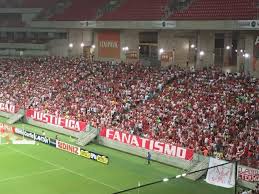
pixel 207 110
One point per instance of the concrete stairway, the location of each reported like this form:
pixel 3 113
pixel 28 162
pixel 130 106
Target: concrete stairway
pixel 16 117
pixel 198 166
pixel 87 136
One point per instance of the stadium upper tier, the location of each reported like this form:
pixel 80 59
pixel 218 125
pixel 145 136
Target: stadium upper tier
pixel 205 110
pixel 217 10
pixel 160 9
pixel 80 10
pixel 144 10
pixel 138 10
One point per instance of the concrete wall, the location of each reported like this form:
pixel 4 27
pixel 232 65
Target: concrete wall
pixel 180 163
pixel 58 47
pixel 5 114
pixel 172 42
pixel 205 43
pixel 129 38
pixel 76 37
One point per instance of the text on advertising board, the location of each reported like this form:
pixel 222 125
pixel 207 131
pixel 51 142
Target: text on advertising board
pixel 68 147
pixel 94 156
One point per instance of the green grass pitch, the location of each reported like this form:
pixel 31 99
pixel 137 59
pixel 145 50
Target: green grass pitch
pixel 42 169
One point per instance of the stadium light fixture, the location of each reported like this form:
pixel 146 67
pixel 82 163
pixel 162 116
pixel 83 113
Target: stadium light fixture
pixel 241 50
pixel 82 45
pixel 227 47
pixel 246 55
pixel 71 45
pixel 202 53
pixel 192 45
pixel 161 50
pixel 125 48
pixel 93 46
pixel 165 179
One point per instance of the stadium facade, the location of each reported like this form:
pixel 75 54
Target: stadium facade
pixel 183 34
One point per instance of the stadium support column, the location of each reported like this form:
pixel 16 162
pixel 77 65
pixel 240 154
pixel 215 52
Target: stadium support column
pixel 240 49
pixel 248 61
pixel 228 49
pixel 198 47
pixel 205 44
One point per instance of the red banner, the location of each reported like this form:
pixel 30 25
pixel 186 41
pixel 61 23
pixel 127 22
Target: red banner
pixel 109 44
pixel 7 107
pixel 4 128
pixel 163 148
pixel 54 120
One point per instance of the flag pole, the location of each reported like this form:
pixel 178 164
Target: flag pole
pixel 236 177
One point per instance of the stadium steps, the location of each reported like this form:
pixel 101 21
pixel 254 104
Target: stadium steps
pixel 198 166
pixel 87 136
pixel 16 117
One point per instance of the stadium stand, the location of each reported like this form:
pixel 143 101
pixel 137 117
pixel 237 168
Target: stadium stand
pixel 11 20
pixel 137 10
pixel 217 10
pixel 80 10
pixel 208 111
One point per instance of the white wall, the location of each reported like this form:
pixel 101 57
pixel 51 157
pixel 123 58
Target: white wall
pixel 179 42
pixel 129 38
pixel 58 48
pixel 61 47
pixel 206 43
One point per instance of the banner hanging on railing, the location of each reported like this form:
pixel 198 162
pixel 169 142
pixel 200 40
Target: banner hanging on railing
pixel 223 176
pixel 7 107
pixel 149 144
pixel 248 174
pixel 55 120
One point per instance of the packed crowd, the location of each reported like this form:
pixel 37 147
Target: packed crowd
pixel 77 88
pixel 211 112
pixel 208 111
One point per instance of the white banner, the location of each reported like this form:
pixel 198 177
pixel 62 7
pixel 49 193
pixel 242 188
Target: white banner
pixel 223 176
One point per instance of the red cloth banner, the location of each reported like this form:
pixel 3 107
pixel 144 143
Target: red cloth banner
pixel 55 120
pixel 7 107
pixel 149 144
